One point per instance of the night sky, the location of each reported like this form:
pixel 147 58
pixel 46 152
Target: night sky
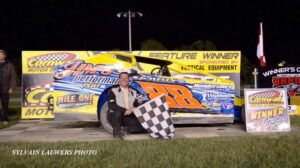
pixel 93 25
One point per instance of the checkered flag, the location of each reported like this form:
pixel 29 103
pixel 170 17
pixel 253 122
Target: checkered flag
pixel 155 118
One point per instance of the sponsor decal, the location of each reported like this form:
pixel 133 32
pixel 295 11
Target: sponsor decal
pixel 214 95
pixel 227 106
pixel 153 79
pixel 95 79
pixel 292 109
pixel 266 98
pixel 74 100
pixel 280 81
pixel 292 83
pixel 212 86
pixel 36 112
pixel 38 95
pixel 82 68
pixel 46 62
pixel 205 78
pixel 216 104
pixel 177 96
pixel 281 70
pixel 197 67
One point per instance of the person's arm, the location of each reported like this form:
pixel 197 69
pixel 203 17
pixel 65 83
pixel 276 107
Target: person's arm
pixel 112 104
pixel 136 103
pixel 12 82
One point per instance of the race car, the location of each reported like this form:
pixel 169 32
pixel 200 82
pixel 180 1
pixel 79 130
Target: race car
pixel 85 83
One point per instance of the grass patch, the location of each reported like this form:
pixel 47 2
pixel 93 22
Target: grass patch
pixel 249 151
pixel 295 120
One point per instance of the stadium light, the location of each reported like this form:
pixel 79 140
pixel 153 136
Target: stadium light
pixel 130 15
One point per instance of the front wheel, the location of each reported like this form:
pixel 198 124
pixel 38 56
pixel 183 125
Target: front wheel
pixel 104 118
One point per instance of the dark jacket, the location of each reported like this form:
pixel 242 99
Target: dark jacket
pixel 116 99
pixel 8 80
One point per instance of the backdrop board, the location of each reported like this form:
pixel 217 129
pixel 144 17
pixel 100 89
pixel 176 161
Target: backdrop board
pixel 266 110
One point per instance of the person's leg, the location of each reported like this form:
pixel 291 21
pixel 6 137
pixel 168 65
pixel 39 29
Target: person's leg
pixel 117 121
pixel 1 111
pixel 5 100
pixel 133 125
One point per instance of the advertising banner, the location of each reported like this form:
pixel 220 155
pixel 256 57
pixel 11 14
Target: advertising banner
pixel 281 77
pixel 266 110
pixel 225 64
pixel 38 75
pixel 37 68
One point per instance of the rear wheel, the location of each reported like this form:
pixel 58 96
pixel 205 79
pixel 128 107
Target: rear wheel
pixel 105 118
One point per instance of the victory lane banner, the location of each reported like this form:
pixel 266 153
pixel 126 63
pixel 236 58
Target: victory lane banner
pixel 281 77
pixel 38 72
pixel 266 110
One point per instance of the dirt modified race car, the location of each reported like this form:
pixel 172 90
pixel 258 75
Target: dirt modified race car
pixel 82 86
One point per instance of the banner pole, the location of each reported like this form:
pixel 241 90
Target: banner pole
pixel 255 73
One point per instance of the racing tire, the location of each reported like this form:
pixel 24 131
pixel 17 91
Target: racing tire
pixel 104 118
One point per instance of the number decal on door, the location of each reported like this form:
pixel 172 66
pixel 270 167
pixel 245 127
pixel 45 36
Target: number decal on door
pixel 177 96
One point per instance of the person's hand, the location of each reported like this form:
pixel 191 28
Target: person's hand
pixel 128 112
pixel 10 91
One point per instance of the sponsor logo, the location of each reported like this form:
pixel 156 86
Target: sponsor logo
pixel 218 95
pixel 281 70
pixel 46 62
pixel 37 96
pixel 279 81
pixel 205 78
pixel 197 67
pixel 212 86
pixel 36 112
pixel 82 68
pixel 266 97
pixel 74 100
pixel 227 105
pixel 291 83
pixel 95 79
pixel 216 104
pixel 153 79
